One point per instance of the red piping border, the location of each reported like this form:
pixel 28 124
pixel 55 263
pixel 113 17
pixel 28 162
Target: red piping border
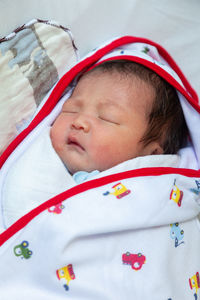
pixel 23 221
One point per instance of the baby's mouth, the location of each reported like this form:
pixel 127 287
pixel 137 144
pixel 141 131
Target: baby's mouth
pixel 73 142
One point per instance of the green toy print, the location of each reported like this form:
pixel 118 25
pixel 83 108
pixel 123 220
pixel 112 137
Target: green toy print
pixel 22 250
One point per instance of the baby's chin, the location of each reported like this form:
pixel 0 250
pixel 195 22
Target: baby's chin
pixel 75 165
pixel 72 169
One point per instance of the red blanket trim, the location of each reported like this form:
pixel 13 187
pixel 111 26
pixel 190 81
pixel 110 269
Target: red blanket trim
pixel 23 221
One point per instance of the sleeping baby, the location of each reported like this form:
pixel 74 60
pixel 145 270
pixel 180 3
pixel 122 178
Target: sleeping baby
pixel 118 111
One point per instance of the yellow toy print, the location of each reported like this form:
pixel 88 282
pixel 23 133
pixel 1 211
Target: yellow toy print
pixel 195 284
pixel 66 274
pixel 119 191
pixel 176 194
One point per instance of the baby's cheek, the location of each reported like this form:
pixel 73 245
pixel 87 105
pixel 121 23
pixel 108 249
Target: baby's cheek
pixel 104 157
pixel 53 137
pixel 103 150
pixel 56 140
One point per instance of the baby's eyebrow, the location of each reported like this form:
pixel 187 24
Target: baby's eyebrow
pixel 69 100
pixel 102 103
pixel 109 102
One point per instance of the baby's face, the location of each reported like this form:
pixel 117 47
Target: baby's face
pixel 101 124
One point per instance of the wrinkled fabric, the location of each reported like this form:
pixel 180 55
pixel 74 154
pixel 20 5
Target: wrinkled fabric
pixel 128 232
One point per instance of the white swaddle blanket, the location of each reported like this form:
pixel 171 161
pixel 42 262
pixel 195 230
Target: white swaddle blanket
pixel 132 232
pixel 38 175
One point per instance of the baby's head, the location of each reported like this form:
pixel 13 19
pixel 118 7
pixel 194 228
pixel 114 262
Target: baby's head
pixel 118 111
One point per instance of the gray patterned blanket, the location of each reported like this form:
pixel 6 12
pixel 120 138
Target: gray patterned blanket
pixel 32 59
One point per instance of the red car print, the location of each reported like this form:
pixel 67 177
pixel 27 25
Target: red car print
pixel 135 260
pixel 56 209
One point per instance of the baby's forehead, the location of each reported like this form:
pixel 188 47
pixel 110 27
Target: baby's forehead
pixel 122 89
pixel 125 78
pixel 132 82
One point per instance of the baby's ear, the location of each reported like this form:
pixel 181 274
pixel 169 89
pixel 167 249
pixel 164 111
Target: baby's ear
pixel 157 150
pixel 153 148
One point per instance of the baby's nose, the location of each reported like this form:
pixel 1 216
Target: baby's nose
pixel 81 122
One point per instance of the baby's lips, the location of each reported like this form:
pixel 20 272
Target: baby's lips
pixel 73 141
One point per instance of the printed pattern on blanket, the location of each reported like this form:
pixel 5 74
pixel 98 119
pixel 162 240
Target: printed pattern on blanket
pixel 98 244
pixel 32 60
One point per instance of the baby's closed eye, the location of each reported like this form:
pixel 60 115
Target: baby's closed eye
pixel 109 119
pixel 70 111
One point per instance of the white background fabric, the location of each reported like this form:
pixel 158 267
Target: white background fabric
pixel 173 23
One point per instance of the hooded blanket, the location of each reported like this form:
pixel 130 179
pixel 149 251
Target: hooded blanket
pixel 130 232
